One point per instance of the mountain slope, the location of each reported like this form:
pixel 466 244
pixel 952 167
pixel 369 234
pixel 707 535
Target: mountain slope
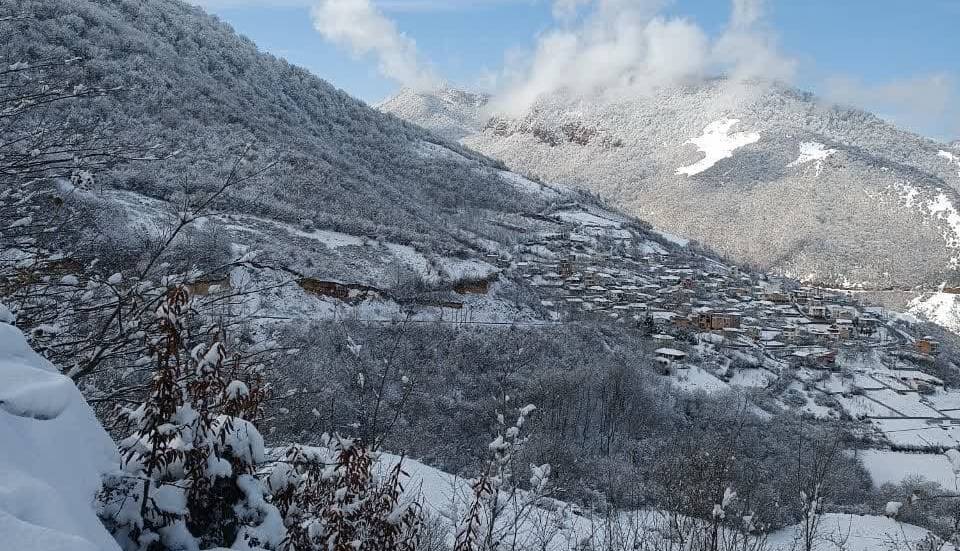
pixel 763 173
pixel 188 83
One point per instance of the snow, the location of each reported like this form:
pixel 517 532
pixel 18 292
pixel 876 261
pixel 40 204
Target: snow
pixel 717 144
pixel 331 239
pixel 908 405
pixel 454 269
pixel 676 240
pixel 938 307
pixel 893 508
pixel 945 400
pixel 526 185
pixel 856 533
pixel 696 379
pixel 889 466
pixel 752 378
pixel 813 151
pixel 446 496
pixel 432 150
pixel 587 219
pixel 941 207
pixel 6 316
pixel 862 406
pixel 950 157
pixel 52 456
pixel 918 433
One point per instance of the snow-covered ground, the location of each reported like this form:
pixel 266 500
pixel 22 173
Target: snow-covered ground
pixel 840 532
pixel 675 239
pixel 527 185
pixel 915 433
pixel 939 207
pixel 938 307
pixel 813 151
pixel 52 454
pixel 951 158
pixel 716 144
pixel 555 525
pixel 890 466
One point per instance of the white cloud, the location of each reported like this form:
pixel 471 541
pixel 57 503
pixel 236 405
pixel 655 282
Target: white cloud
pixel 748 48
pixel 618 47
pixel 361 27
pixel 929 103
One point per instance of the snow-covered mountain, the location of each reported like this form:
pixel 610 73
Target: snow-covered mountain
pixel 202 95
pixel 763 173
pixel 449 112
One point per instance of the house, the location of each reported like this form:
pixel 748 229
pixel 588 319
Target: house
pixel 667 357
pixel 813 356
pixel 818 311
pixel 715 321
pixel 206 286
pixel 867 324
pixel 472 287
pixel 928 346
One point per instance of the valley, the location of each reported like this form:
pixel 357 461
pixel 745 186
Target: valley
pixel 241 308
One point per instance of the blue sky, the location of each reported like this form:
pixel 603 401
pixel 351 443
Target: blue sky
pixel 899 58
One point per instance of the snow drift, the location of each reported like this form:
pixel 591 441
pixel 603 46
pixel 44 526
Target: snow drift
pixel 53 452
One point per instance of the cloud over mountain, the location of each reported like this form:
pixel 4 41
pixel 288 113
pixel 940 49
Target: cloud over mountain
pixel 625 47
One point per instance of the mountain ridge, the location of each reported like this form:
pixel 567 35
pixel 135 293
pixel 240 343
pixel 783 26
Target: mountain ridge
pixel 643 146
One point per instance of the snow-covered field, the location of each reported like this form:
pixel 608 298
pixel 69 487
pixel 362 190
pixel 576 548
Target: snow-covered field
pixel 840 532
pixel 890 466
pixel 919 433
pixel 527 185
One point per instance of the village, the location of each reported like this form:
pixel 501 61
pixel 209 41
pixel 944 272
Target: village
pixel 844 358
pixel 601 269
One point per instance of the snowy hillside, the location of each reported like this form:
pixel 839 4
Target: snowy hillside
pixel 840 197
pixel 52 454
pixel 198 95
pixel 557 526
pixel 938 307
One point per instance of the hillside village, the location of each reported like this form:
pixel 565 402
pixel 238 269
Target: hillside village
pixel 747 329
pixel 686 292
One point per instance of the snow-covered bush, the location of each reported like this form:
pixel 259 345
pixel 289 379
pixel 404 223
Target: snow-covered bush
pixel 331 499
pixel 188 473
pixel 499 506
pixel 195 473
